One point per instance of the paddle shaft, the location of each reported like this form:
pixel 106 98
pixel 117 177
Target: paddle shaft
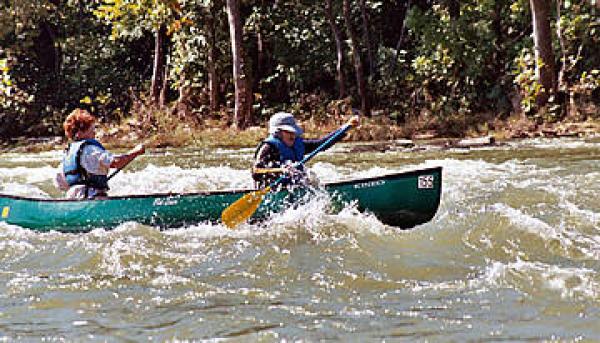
pixel 267 170
pixel 116 171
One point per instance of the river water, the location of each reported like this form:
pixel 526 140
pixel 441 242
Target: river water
pixel 513 254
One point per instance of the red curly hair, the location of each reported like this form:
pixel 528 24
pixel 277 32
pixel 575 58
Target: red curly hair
pixel 78 120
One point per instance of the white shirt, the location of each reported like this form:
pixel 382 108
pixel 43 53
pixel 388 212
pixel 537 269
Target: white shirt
pixel 95 161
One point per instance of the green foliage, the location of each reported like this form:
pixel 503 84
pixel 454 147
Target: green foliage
pixel 577 57
pixel 580 24
pixel 131 18
pixel 11 97
pixel 293 31
pixel 191 41
pixel 452 57
pixel 526 81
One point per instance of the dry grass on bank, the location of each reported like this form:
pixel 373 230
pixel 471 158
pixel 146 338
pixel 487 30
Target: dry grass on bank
pixel 371 129
pixel 168 130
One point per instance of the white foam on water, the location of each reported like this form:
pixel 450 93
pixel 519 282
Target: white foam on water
pixel 569 239
pixel 566 185
pixel 8 230
pixel 553 143
pixel 247 152
pixel 526 222
pixel 21 181
pixel 25 190
pixel 588 215
pixel 570 282
pixel 28 175
pixel 15 239
pixel 45 156
pixel 313 220
pixel 174 179
pixel 351 217
pixel 420 286
pixel 327 172
pixel 167 279
pixel 196 235
pixel 131 251
pixel 312 217
pixel 22 281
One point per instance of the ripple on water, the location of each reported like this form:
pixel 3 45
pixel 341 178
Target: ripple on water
pixel 512 254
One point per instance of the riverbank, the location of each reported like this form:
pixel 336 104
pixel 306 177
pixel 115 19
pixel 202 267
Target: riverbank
pixel 378 133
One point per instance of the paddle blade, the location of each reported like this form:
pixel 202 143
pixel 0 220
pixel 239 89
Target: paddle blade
pixel 243 208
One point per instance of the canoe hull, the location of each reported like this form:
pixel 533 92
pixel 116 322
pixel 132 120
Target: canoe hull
pixel 403 200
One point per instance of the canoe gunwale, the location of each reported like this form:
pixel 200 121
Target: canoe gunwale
pixel 227 192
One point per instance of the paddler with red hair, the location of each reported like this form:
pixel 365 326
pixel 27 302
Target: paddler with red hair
pixel 83 172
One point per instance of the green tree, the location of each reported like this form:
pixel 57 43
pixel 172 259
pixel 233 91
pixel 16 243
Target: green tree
pixel 130 19
pixel 544 54
pixel 339 47
pixel 361 80
pixel 241 76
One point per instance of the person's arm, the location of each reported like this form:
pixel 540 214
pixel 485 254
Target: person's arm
pixel 266 158
pixel 311 144
pixel 60 180
pixel 121 161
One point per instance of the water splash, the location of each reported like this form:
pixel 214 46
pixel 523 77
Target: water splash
pixel 530 277
pixel 515 241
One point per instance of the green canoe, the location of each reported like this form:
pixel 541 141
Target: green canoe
pixel 402 199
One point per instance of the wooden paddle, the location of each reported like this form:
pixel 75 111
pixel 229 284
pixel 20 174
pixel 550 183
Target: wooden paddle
pixel 243 208
pixel 267 170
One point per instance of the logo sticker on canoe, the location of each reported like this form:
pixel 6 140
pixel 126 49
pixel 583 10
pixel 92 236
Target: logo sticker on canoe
pixel 425 182
pixel 369 184
pixel 5 212
pixel 164 202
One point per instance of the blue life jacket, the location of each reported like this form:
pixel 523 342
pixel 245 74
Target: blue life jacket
pixel 75 173
pixel 287 154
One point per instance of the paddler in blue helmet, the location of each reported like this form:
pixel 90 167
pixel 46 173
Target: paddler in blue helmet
pixel 284 147
pixel 83 172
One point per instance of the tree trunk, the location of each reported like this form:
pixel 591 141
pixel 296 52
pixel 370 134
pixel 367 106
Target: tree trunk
pixel 48 49
pixel 48 61
pixel 360 77
pixel 339 48
pixel 158 70
pixel 453 8
pixel 496 65
pixel 213 77
pixel 401 38
pixel 243 103
pixel 544 56
pixel 562 82
pixel 367 37
pixel 261 58
pixel 162 99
